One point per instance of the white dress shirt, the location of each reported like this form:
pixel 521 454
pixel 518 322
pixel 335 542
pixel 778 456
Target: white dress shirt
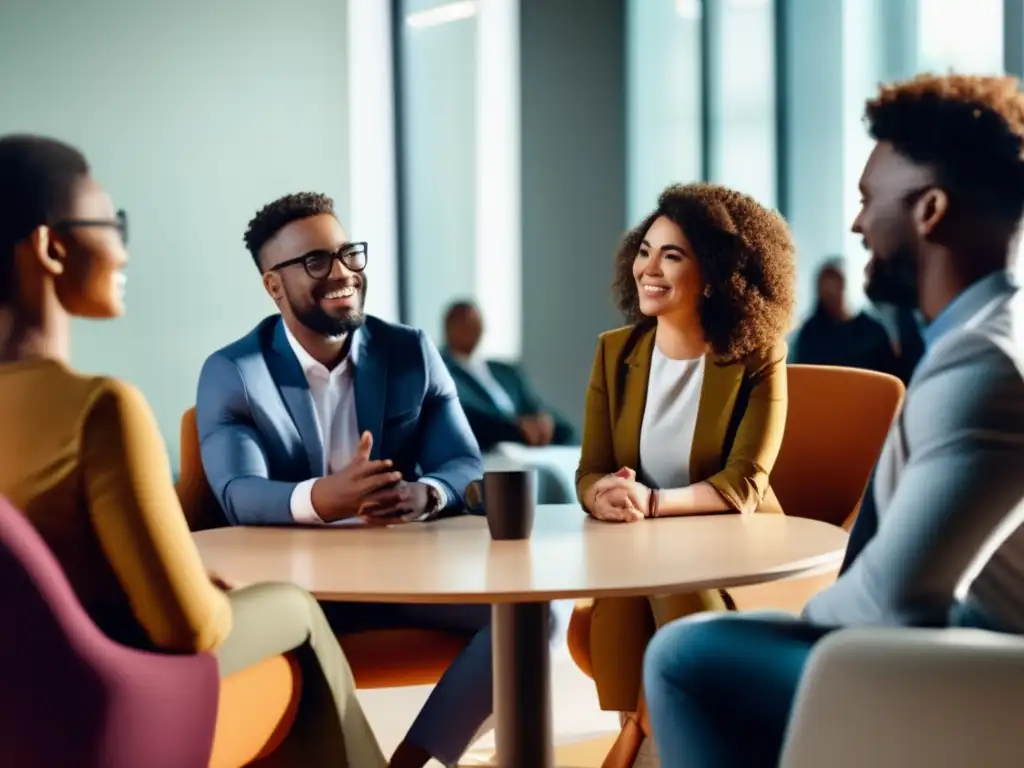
pixel 670 417
pixel 334 402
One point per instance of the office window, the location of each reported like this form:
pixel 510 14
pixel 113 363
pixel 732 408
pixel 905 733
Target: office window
pixel 742 122
pixel 961 35
pixel 438 104
pixel 663 81
pixel 372 194
pixel 460 164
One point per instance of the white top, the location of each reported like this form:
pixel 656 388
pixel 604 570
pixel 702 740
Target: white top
pixel 334 402
pixel 478 368
pixel 670 416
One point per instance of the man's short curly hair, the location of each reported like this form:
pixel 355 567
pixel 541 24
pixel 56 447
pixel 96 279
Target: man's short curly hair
pixel 273 217
pixel 746 256
pixel 968 128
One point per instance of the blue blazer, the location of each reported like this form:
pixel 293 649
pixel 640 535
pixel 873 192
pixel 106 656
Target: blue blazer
pixel 257 424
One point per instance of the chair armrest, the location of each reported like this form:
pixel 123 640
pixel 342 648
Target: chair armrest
pixel 555 465
pixel 890 698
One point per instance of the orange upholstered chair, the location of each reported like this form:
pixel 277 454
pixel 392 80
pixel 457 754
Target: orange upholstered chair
pixel 384 658
pixel 393 658
pixel 836 424
pixel 257 705
pixel 255 711
pixel 197 500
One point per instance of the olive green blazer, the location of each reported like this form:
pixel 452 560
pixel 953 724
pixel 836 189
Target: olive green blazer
pixel 741 418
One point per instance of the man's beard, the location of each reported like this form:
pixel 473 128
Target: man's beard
pixel 319 321
pixel 894 280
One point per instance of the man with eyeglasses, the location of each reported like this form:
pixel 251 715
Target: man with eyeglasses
pixel 323 415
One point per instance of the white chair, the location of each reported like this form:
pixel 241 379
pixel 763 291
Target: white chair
pixel 554 467
pixel 901 698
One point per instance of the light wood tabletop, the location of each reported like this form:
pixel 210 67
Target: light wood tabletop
pixel 569 555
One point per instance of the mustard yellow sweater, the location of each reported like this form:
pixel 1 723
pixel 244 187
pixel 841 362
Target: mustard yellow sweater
pixel 82 457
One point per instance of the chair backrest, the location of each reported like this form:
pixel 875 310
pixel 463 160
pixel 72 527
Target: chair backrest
pixel 70 695
pixel 201 508
pixel 836 425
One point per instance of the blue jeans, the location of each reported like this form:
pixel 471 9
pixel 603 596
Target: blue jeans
pixel 974 615
pixel 720 687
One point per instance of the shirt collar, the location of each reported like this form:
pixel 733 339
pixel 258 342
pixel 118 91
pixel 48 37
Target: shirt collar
pixel 309 364
pixel 469 362
pixel 967 304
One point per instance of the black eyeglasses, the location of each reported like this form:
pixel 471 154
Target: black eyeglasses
pixel 119 222
pixel 318 264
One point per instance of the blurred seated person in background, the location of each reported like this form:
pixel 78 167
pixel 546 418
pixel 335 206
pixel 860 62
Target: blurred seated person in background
pixel 833 336
pixel 686 406
pixel 497 397
pixel 82 457
pixel 322 414
pixel 938 537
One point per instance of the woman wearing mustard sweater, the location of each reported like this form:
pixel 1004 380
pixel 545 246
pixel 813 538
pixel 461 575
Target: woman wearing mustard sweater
pixel 81 456
pixel 686 406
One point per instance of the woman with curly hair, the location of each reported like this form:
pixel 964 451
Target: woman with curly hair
pixel 686 406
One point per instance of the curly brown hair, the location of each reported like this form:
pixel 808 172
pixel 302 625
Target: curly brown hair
pixel 746 257
pixel 968 128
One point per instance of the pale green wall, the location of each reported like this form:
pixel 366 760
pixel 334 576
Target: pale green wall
pixel 193 115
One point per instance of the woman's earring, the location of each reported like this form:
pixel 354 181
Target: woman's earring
pixel 707 291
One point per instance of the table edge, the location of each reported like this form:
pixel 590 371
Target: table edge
pixel 808 567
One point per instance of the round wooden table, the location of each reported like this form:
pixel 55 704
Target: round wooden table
pixel 568 556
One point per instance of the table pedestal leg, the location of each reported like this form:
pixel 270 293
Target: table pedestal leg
pixel 522 685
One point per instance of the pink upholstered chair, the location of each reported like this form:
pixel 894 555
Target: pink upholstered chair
pixel 71 696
